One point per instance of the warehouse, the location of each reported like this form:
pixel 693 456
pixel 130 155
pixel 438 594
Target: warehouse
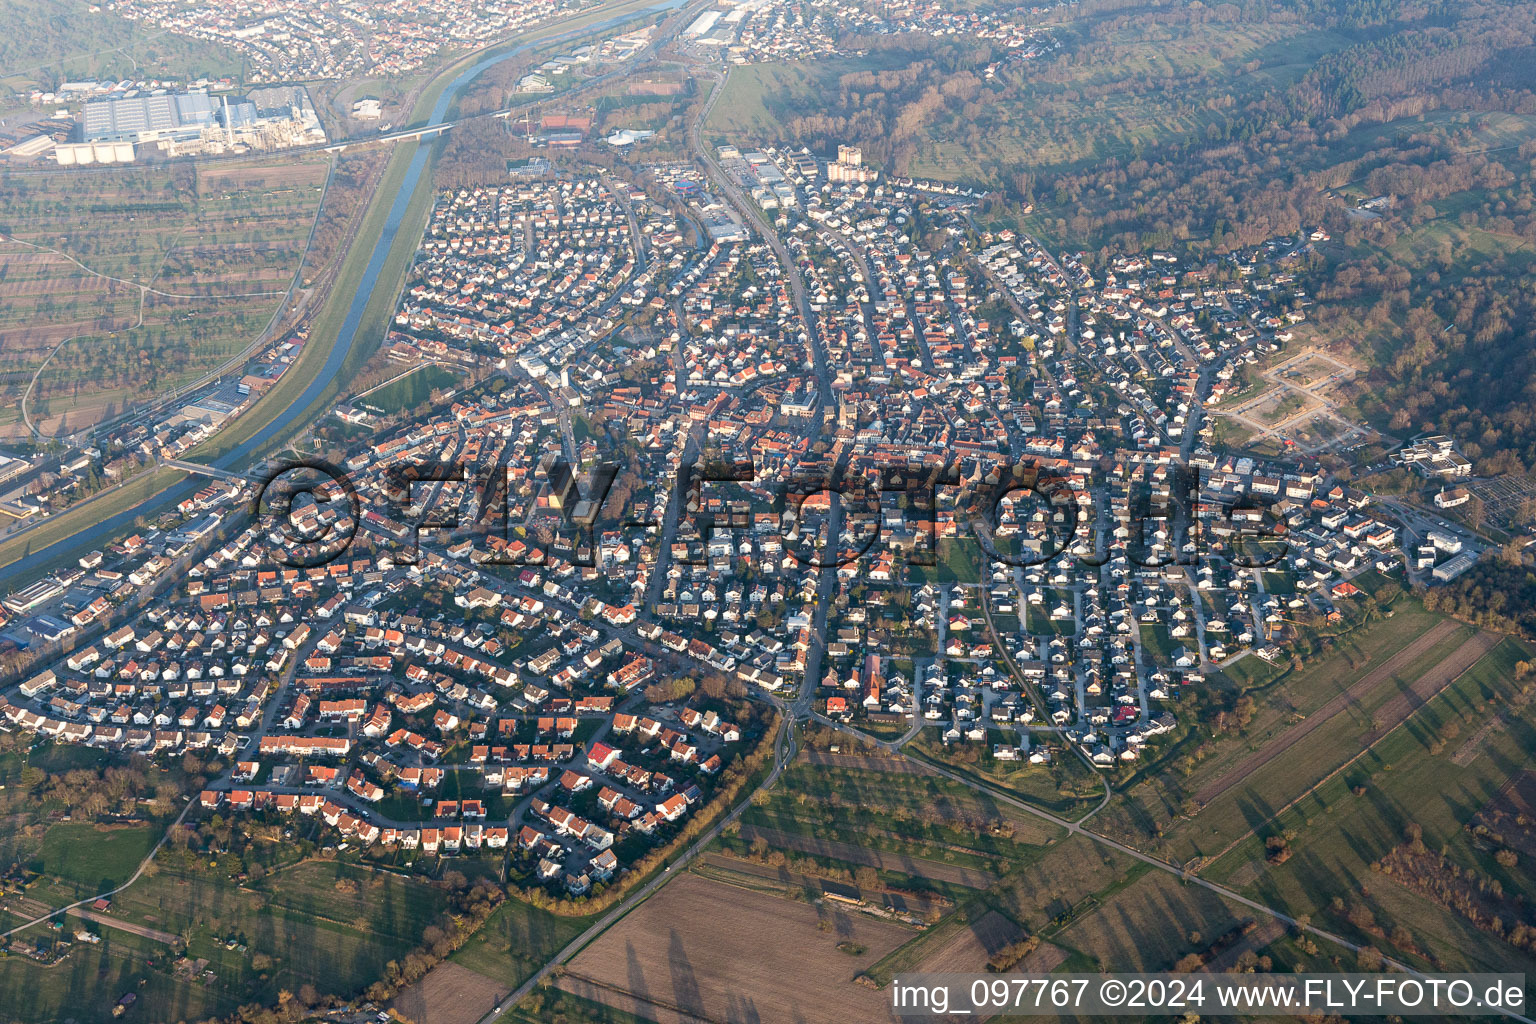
pixel 147 118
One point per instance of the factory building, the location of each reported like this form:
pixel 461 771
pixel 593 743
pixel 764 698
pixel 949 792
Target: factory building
pixel 192 124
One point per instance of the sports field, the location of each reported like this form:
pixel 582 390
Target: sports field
pixel 413 389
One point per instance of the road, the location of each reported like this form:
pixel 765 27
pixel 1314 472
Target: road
pixel 801 707
pixel 784 742
pixel 827 584
pixel 418 167
pixel 198 469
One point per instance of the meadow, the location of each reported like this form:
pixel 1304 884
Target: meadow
pixel 95 858
pixel 120 284
pixel 1150 811
pixel 325 924
pixel 1435 773
pixel 922 817
pixel 516 941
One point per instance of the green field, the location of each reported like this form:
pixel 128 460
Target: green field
pixel 1094 111
pixel 1075 876
pixel 320 923
pixel 908 956
pixel 958 560
pixel 1282 696
pixel 95 858
pixel 337 940
pixel 218 246
pixel 1039 877
pixel 1096 905
pixel 516 941
pixel 86 984
pixel 924 833
pixel 410 391
pixel 1251 672
pixel 1336 834
pixel 61 860
pixel 1147 925
pixel 1444 240
pixel 1101 909
pixel 758 97
pixel 52 40
pixel 911 798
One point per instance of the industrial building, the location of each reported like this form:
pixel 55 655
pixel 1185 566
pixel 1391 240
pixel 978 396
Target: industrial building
pixel 80 154
pixel 189 124
pixel 147 118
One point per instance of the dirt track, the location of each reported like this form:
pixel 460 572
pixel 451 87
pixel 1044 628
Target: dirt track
pixel 1396 711
pixel 1296 733
pixel 108 921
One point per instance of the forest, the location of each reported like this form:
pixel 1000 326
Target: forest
pixel 1431 111
pixel 51 41
pixel 1495 594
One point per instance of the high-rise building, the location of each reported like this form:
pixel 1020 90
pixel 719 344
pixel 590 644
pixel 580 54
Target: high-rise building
pixel 849 166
